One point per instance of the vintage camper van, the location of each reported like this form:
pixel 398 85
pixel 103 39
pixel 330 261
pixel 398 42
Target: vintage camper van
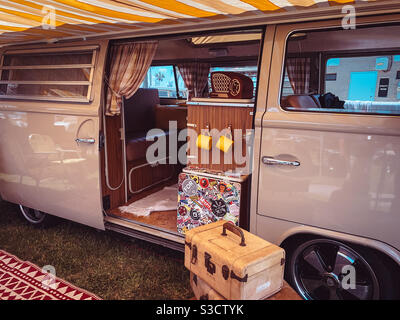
pixel 115 131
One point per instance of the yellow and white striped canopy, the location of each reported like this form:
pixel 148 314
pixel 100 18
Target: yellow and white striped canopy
pixel 35 20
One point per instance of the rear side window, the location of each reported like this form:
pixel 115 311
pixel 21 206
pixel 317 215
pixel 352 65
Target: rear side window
pixel 61 76
pixel 167 80
pixel 346 71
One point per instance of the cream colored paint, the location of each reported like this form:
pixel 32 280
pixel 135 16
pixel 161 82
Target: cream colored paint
pixel 41 164
pixel 69 185
pixel 348 180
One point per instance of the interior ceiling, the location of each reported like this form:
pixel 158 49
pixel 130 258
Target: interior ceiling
pixel 24 21
pixel 184 49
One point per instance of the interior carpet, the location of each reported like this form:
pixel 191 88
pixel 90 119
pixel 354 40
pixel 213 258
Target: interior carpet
pixel 164 200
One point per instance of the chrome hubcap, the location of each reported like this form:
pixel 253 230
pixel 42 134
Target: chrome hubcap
pixel 329 270
pixel 32 215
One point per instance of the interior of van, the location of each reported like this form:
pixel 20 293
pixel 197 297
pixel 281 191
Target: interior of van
pixel 337 70
pixel 145 192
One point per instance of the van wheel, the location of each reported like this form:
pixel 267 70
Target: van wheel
pixel 33 216
pixel 323 269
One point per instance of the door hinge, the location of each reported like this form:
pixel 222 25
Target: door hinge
pixel 106 202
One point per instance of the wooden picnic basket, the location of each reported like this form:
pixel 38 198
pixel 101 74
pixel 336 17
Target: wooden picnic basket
pixel 202 290
pixel 233 262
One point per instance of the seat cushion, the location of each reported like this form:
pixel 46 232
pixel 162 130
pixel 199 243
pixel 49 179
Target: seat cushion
pixel 301 101
pixel 136 143
pixel 139 110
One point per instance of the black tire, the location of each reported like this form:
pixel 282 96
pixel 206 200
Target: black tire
pixel 314 269
pixel 35 217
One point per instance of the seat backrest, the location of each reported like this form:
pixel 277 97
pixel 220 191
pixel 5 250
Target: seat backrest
pixel 139 110
pixel 301 101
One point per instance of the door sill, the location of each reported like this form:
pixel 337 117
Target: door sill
pixel 146 233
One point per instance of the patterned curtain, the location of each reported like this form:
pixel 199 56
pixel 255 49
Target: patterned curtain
pixel 129 66
pixel 298 70
pixel 195 76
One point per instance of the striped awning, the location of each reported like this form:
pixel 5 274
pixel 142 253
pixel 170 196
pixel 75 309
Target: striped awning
pixel 36 20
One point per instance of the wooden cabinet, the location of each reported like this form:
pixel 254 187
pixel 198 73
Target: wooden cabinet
pixel 218 116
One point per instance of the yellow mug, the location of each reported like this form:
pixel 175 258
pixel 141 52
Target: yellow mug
pixel 225 142
pixel 204 141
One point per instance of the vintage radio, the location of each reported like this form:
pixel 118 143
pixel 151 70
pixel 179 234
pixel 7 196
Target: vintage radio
pixel 231 85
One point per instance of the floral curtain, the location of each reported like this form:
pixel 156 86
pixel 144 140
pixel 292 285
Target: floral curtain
pixel 298 70
pixel 128 68
pixel 195 76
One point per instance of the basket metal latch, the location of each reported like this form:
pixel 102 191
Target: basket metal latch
pixel 194 254
pixel 208 264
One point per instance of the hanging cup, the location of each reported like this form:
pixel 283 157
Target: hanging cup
pixel 225 142
pixel 204 141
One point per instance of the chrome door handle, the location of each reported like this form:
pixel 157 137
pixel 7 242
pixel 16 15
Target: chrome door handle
pixel 85 140
pixel 271 161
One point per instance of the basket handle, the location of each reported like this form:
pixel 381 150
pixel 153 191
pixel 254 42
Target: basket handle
pixel 236 230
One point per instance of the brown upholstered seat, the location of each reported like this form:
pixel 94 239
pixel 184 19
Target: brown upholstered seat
pixel 139 113
pixel 301 101
pixel 136 144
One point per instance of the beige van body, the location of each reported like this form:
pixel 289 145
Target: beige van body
pixel 50 160
pixel 331 203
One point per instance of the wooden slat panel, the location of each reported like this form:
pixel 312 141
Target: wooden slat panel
pixel 63 83
pixel 115 162
pixel 61 50
pixel 43 98
pixel 218 118
pixel 48 66
pixel 146 175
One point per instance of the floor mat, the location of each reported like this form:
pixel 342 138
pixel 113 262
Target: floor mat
pixel 22 280
pixel 164 200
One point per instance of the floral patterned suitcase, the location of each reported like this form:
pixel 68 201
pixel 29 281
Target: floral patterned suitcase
pixel 204 198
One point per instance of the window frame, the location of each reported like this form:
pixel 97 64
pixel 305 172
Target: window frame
pixel 174 68
pixel 322 61
pixel 65 50
pixel 214 64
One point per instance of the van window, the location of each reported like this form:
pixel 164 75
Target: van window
pixel 346 71
pixel 61 76
pixel 167 80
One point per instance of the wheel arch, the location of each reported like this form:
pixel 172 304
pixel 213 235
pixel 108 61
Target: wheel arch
pixel 307 232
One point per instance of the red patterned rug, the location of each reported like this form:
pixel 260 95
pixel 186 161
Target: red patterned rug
pixel 21 280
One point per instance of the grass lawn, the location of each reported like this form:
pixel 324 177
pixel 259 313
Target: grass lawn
pixel 105 263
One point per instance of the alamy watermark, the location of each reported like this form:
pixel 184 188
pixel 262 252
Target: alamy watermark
pixel 348 281
pixel 49 279
pixel 209 146
pixel 49 17
pixel 349 20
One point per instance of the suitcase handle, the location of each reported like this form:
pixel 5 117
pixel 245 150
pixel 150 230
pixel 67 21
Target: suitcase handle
pixel 236 230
